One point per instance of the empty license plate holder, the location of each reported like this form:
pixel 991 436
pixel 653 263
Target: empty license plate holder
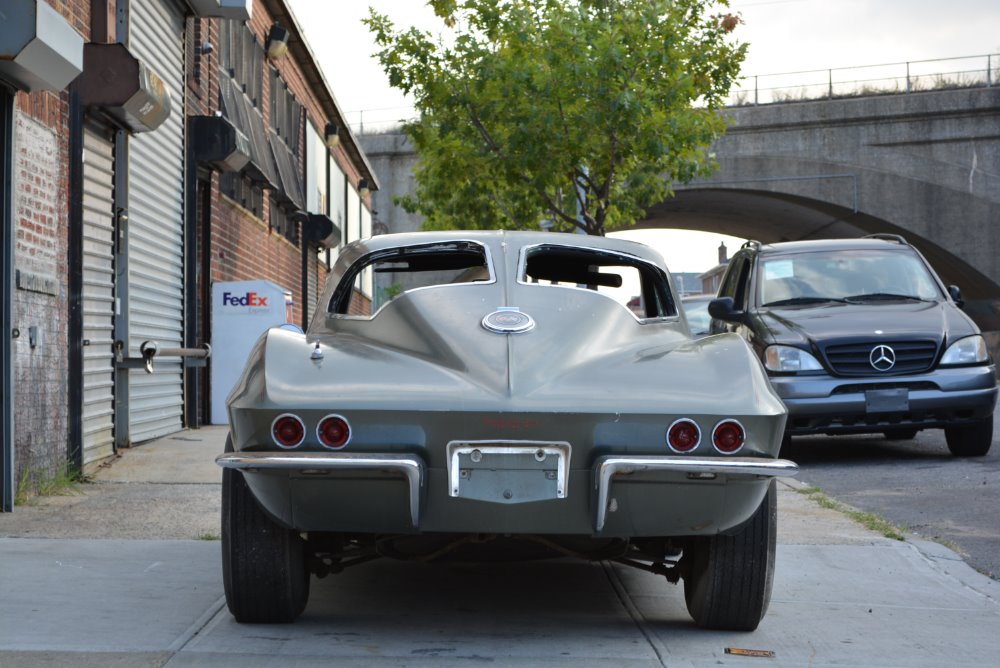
pixel 508 471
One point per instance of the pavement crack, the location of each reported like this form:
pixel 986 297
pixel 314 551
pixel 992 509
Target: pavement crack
pixel 637 617
pixel 193 631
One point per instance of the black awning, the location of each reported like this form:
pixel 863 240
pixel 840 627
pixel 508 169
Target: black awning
pixel 319 229
pixel 120 86
pixel 216 141
pixel 291 181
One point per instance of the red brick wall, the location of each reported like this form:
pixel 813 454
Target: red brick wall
pixel 41 241
pixel 243 245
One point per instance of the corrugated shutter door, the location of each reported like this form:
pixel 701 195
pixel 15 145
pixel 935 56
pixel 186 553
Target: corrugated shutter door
pixel 312 287
pixel 98 295
pixel 156 227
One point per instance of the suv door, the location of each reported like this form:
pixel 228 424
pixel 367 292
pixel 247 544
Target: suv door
pixel 735 284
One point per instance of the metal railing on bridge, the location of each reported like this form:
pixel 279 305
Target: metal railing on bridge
pixel 889 79
pixel 378 121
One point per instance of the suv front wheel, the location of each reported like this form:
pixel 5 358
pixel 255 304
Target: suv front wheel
pixel 970 440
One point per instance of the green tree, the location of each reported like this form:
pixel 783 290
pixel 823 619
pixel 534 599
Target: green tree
pixel 581 113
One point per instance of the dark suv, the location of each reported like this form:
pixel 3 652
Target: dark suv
pixel 861 336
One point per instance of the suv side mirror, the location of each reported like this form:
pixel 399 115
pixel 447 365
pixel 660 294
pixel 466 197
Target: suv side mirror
pixel 956 295
pixel 724 309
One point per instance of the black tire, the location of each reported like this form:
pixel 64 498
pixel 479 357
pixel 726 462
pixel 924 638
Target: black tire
pixel 264 569
pixel 900 434
pixel 970 440
pixel 730 576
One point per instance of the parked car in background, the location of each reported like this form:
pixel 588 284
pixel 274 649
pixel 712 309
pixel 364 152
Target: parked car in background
pixel 696 312
pixel 861 336
pixel 466 395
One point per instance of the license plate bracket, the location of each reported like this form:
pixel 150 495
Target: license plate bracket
pixel 508 472
pixel 895 400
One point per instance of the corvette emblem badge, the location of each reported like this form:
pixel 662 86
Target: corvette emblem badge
pixel 508 321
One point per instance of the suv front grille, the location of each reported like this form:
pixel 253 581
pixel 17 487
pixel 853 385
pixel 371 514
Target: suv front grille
pixel 855 359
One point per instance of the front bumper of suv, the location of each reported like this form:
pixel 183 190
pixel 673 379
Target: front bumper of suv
pixel 823 404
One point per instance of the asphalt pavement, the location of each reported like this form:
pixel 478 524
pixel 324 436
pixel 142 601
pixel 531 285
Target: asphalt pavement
pixel 917 484
pixel 128 573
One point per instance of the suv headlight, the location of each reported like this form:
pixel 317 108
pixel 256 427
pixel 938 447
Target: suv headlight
pixel 970 350
pixel 787 359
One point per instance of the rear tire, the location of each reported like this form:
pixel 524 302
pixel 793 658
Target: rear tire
pixel 263 564
pixel 971 440
pixel 730 576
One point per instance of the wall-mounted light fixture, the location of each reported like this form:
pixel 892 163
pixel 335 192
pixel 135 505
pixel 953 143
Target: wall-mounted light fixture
pixel 277 41
pixel 204 49
pixel 363 188
pixel 332 135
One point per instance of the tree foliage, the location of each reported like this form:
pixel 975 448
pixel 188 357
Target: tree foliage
pixel 581 113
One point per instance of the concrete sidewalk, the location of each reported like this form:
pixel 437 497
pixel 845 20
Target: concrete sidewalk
pixel 128 573
pixel 168 488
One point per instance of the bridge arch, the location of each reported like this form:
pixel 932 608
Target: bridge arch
pixel 924 165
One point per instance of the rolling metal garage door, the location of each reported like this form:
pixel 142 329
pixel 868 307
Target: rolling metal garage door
pixel 98 295
pixel 156 227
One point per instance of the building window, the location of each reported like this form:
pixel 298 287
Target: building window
pixel 284 222
pixel 338 198
pixel 317 184
pixel 284 136
pixel 243 191
pixel 286 113
pixel 242 57
pixel 241 68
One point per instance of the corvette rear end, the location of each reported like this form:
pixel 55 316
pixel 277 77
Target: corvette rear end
pixel 505 405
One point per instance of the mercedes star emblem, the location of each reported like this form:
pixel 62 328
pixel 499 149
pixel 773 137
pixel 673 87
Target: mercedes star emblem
pixel 882 358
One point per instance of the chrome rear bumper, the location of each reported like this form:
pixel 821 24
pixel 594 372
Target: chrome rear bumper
pixel 412 468
pixel 703 468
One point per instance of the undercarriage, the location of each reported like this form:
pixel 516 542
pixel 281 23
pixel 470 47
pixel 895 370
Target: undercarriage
pixel 329 553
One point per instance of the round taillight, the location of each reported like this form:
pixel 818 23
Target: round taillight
pixel 683 435
pixel 333 431
pixel 288 431
pixel 728 436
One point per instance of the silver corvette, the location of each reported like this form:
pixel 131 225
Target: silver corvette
pixel 486 395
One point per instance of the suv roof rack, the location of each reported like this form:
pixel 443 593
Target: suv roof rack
pixel 887 237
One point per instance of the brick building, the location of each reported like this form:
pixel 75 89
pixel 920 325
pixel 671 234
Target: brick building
pixel 152 148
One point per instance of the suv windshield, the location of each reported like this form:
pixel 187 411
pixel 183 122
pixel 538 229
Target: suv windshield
pixel 836 276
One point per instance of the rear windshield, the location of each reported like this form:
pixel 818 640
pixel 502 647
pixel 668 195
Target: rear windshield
pixel 382 276
pixel 850 275
pixel 639 285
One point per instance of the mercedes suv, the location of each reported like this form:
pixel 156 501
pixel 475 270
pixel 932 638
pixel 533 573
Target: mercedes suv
pixel 861 336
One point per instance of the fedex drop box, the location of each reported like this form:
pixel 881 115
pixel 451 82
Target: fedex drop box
pixel 241 312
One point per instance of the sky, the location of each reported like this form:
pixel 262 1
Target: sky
pixel 784 36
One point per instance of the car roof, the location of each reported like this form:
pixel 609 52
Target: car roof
pixel 805 246
pixel 516 239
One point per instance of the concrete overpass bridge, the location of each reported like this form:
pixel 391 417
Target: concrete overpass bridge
pixel 924 165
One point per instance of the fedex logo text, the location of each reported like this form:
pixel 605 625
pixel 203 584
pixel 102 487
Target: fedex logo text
pixel 249 299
